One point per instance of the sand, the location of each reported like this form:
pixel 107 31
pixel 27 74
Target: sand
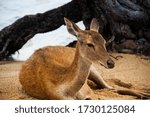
pixel 130 72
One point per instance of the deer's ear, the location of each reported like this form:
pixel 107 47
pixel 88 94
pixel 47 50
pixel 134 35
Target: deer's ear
pixel 94 25
pixel 72 27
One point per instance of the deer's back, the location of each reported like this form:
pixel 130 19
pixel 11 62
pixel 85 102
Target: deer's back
pixel 46 64
pixel 55 55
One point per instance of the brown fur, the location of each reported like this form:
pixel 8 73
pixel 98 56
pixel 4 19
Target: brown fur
pixel 62 72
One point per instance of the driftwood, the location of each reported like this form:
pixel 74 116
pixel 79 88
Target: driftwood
pixel 124 19
pixel 13 37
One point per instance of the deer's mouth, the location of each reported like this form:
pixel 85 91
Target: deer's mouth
pixel 107 65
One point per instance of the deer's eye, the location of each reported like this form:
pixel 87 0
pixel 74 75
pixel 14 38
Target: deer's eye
pixel 90 45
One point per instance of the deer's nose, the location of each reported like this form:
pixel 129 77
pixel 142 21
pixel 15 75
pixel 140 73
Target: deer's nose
pixel 110 63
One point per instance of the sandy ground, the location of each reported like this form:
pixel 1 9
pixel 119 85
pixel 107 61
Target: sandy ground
pixel 130 72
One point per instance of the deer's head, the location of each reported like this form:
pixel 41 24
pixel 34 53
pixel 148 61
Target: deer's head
pixel 91 42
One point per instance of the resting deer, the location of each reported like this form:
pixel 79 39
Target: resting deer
pixel 62 72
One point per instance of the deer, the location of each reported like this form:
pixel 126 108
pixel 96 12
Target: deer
pixel 61 73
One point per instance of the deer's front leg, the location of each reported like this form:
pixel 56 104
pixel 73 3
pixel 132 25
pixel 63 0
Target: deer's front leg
pixel 96 77
pixel 85 93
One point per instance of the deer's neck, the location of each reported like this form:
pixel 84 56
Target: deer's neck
pixel 78 71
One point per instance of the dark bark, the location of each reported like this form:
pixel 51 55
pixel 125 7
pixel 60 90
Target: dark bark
pixel 124 19
pixel 115 15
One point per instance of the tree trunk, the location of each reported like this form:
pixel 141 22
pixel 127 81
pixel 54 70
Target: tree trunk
pixel 13 37
pixel 125 19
